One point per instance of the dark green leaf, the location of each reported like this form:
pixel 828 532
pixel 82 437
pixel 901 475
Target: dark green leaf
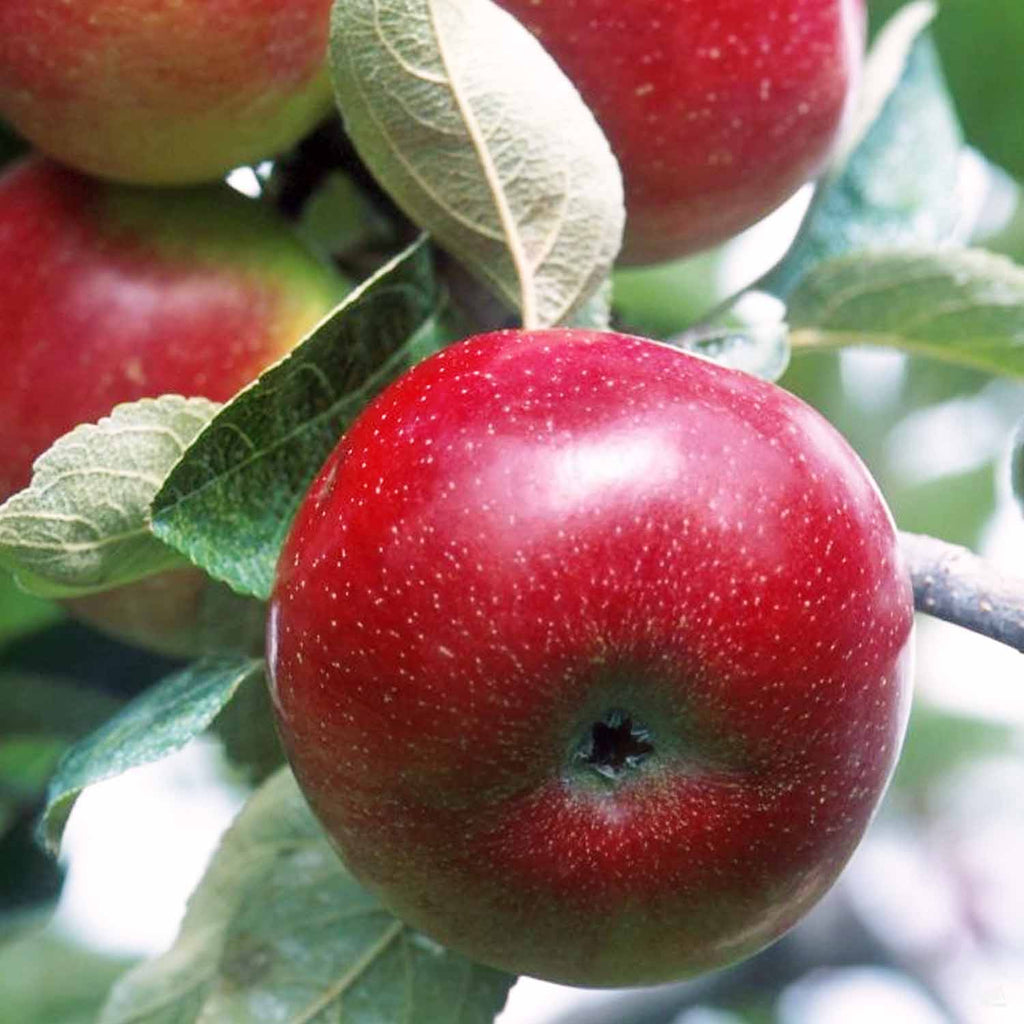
pixel 155 724
pixel 26 763
pixel 278 931
pixel 961 306
pixel 247 730
pixel 228 503
pixel 25 766
pixel 897 186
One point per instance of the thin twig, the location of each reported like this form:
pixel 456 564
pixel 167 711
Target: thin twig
pixel 954 584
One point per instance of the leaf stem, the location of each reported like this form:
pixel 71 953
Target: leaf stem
pixel 956 585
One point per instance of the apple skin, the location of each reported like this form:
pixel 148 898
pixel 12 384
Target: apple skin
pixel 153 92
pixel 591 656
pixel 110 293
pixel 717 110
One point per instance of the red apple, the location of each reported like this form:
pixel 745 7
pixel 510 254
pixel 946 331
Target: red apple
pixel 110 293
pixel 163 93
pixel 592 656
pixel 717 109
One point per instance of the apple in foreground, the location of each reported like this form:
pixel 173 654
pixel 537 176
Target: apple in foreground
pixel 592 656
pixel 110 293
pixel 163 93
pixel 717 110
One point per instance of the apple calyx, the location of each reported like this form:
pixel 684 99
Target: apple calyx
pixel 616 744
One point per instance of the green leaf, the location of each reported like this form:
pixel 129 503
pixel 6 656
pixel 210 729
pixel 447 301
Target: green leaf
pixel 39 718
pixel 82 525
pixel 962 306
pixel 340 218
pixel 279 931
pixel 26 763
pixel 248 733
pixel 487 146
pixel 46 979
pixel 228 503
pixel 896 183
pixel 1017 466
pixel 25 766
pixel 22 613
pixel 981 42
pixel 157 723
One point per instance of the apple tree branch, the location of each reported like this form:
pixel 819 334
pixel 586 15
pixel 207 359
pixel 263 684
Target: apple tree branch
pixel 956 585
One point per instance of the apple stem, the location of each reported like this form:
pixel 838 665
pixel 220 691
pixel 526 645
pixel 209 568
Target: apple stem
pixel 956 585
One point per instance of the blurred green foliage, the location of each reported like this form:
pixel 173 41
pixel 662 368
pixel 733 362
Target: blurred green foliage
pixel 981 43
pixel 661 300
pixel 47 979
pixel 938 743
pixel 21 613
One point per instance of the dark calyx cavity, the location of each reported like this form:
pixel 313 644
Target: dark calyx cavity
pixel 615 744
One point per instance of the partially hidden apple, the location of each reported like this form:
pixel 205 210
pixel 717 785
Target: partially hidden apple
pixel 717 110
pixel 110 293
pixel 592 656
pixel 163 93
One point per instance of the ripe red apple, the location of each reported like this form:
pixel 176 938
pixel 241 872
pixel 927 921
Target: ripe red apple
pixel 110 293
pixel 159 92
pixel 592 656
pixel 716 109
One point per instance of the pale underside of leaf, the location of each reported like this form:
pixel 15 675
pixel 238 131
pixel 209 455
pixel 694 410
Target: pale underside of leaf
pixel 83 523
pixel 959 306
pixel 476 132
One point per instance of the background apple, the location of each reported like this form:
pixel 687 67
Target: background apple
pixel 163 93
pixel 592 656
pixel 716 109
pixel 110 293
